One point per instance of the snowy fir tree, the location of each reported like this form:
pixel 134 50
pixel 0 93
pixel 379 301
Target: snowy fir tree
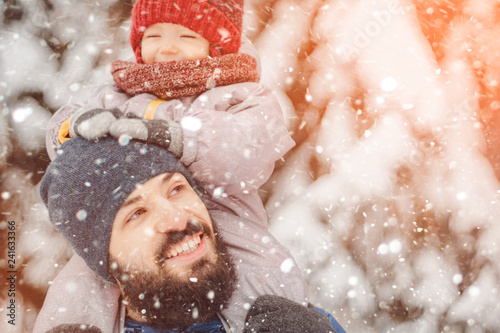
pixel 390 200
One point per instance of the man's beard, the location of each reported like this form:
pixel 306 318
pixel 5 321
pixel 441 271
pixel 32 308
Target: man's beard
pixel 168 301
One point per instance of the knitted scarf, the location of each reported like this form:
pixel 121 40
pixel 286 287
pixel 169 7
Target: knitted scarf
pixel 174 79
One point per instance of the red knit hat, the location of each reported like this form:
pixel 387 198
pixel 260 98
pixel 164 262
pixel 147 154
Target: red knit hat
pixel 218 21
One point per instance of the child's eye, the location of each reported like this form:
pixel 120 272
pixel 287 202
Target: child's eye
pixel 188 36
pixel 152 36
pixel 176 190
pixel 136 214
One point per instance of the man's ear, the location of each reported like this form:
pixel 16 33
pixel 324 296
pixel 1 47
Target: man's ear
pixel 75 328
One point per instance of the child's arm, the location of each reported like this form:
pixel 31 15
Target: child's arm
pixel 241 137
pixel 58 128
pixel 229 136
pixel 103 106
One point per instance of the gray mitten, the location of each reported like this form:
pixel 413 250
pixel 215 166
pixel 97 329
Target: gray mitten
pixel 160 132
pixel 75 328
pixel 92 124
pixel 277 314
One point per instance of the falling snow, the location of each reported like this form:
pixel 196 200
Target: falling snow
pixel 390 201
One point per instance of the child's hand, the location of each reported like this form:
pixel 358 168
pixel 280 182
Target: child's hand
pixel 166 134
pixel 92 124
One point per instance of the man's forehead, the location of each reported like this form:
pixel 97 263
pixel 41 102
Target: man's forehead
pixel 143 189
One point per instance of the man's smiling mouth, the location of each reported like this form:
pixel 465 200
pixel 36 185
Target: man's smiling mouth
pixel 186 246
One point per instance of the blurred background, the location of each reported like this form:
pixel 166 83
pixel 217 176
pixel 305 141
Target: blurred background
pixel 390 201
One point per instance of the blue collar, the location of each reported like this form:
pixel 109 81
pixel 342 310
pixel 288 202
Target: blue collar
pixel 212 325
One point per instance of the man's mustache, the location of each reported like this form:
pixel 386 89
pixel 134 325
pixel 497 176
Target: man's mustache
pixel 173 237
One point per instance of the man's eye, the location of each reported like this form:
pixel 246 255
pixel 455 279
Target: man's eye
pixel 136 214
pixel 176 190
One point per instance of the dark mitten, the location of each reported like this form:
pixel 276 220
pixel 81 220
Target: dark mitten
pixel 75 328
pixel 163 133
pixel 277 314
pixel 92 124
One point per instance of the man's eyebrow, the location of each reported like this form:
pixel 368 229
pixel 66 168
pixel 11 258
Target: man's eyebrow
pixel 131 201
pixel 167 177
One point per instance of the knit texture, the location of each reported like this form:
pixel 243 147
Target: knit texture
pixel 85 186
pixel 218 21
pixel 271 313
pixel 174 79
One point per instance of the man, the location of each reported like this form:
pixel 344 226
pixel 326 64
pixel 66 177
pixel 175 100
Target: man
pixel 137 218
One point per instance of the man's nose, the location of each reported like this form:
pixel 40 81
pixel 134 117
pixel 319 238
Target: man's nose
pixel 171 219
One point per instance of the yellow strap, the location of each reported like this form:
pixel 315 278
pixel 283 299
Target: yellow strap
pixel 63 132
pixel 151 109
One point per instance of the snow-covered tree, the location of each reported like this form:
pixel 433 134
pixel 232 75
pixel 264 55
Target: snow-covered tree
pixel 390 199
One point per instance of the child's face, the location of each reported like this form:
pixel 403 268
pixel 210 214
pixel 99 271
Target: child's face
pixel 164 42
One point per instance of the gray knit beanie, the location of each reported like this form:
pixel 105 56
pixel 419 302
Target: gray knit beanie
pixel 85 186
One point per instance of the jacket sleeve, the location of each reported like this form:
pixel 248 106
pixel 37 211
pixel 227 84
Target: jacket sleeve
pixel 54 125
pixel 233 138
pixel 110 97
pixel 79 296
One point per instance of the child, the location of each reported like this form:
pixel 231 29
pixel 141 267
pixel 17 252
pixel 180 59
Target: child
pixel 193 94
